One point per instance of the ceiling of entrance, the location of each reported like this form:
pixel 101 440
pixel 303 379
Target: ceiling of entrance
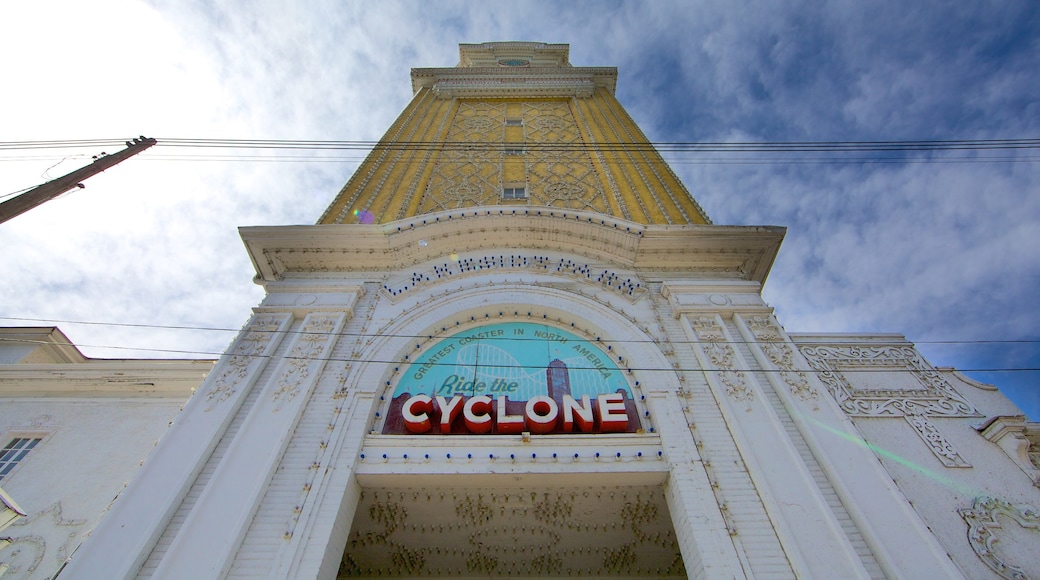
pixel 611 531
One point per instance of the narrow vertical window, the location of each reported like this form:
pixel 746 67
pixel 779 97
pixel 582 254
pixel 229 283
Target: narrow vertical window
pixel 14 452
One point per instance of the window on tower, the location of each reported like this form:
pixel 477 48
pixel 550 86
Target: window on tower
pixel 514 193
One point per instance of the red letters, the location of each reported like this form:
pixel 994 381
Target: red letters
pixel 582 415
pixel 416 413
pixel 506 423
pixel 477 414
pixel 449 411
pixel 541 412
pixel 481 414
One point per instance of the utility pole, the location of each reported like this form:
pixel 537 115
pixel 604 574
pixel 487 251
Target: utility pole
pixel 52 189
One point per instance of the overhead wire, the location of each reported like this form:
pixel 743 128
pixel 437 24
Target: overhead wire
pixel 405 362
pixel 664 146
pixel 675 153
pixel 899 146
pixel 445 335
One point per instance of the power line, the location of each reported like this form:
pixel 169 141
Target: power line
pixel 670 158
pixel 625 368
pixel 445 335
pixel 465 146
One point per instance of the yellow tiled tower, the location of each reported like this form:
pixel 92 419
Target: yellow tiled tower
pixel 514 124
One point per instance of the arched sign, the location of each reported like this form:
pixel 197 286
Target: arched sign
pixel 512 377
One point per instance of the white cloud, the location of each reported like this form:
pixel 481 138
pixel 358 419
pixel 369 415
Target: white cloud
pixel 934 250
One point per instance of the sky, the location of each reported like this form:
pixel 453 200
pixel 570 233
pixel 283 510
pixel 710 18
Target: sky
pixel 938 246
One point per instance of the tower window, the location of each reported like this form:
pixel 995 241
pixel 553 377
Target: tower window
pixel 514 193
pixel 14 452
pixel 514 122
pixel 514 150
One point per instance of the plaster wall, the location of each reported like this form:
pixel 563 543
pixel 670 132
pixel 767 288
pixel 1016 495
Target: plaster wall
pixel 90 448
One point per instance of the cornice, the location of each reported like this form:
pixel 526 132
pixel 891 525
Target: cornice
pixel 723 252
pixel 116 378
pixel 514 81
pixel 48 342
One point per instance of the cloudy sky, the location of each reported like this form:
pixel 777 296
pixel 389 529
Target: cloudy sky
pixel 938 246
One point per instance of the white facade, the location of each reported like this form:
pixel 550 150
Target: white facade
pixel 775 456
pixel 749 453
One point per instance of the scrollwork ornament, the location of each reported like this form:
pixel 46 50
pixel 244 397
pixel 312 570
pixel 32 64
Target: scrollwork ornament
pixel 936 398
pixel 722 356
pixel 781 355
pixel 982 527
pixel 937 443
pixel 252 346
pixel 562 191
pixel 478 123
pixel 45 523
pixel 314 338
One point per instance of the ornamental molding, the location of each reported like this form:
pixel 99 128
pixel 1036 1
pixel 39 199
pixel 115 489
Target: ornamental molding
pixel 715 346
pixel 1018 438
pixel 937 443
pixel 28 550
pixel 493 532
pixel 936 397
pixel 985 531
pixel 316 338
pixel 620 282
pixel 778 350
pixel 499 81
pixel 251 348
pixel 735 252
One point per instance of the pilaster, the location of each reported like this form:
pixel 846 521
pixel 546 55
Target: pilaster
pixel 206 543
pixel 120 544
pixel 812 537
pixel 701 529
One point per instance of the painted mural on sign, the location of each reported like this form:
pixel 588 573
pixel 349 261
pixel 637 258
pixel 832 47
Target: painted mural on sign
pixel 512 377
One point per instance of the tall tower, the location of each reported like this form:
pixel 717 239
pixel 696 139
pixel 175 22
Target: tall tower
pixel 514 125
pixel 512 216
pixel 558 380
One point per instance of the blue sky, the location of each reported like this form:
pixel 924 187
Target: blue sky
pixel 939 247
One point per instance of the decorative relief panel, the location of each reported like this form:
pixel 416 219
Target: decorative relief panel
pixel 561 175
pixel 316 338
pixel 1005 536
pixel 29 549
pixel 932 395
pixel 552 162
pixel 468 173
pixel 781 354
pixel 579 531
pixel 1018 438
pixel 722 356
pixel 251 347
pixel 935 440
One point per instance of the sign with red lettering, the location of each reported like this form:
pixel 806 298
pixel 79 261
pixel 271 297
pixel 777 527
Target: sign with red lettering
pixel 511 378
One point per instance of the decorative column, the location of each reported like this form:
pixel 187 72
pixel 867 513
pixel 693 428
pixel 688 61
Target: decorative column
pixel 206 543
pixel 122 541
pixel 813 540
pixel 701 529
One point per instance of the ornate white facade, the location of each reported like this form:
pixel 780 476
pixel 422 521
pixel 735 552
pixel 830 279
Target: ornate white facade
pixel 751 452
